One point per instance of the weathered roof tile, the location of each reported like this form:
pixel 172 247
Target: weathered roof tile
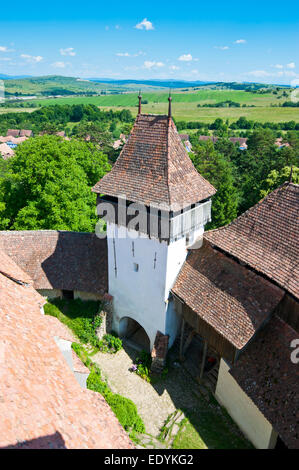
pixel 59 259
pixel 232 299
pixel 266 237
pixel 154 168
pixel 268 376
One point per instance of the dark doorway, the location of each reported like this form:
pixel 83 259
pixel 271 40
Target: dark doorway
pixel 280 445
pixel 68 294
pixel 134 333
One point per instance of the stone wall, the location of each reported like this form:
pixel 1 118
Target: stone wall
pixel 57 294
pixel 50 293
pixel 86 295
pixel 159 352
pixel 107 316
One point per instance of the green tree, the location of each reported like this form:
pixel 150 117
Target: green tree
pixel 218 171
pixel 277 178
pixel 48 185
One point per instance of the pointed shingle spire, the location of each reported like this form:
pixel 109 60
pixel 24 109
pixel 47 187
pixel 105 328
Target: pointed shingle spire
pixel 154 168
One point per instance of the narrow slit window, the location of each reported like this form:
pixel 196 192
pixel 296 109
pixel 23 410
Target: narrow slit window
pixel 136 267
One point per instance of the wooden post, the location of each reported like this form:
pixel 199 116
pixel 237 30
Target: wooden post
pixel 204 355
pixel 188 341
pixel 182 339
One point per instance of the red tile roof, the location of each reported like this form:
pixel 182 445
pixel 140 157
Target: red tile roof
pixel 268 376
pixel 6 152
pixel 13 132
pixel 25 132
pixel 60 260
pixel 41 403
pixel 232 299
pixel 154 168
pixel 266 237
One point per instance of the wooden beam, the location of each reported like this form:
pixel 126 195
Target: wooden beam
pixel 188 341
pixel 182 339
pixel 203 361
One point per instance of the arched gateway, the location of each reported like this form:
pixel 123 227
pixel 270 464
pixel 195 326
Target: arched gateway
pixel 132 330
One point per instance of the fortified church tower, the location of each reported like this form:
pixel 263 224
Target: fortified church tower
pixel 155 171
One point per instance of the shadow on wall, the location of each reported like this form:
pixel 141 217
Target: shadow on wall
pixel 52 441
pixel 78 261
pixel 134 333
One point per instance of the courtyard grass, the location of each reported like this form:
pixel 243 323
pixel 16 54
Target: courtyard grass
pixel 209 427
pixel 78 315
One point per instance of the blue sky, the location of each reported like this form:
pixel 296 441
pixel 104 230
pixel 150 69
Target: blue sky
pixel 194 40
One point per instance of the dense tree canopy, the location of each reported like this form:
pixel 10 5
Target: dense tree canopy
pixel 48 185
pixel 277 177
pixel 218 171
pixel 58 117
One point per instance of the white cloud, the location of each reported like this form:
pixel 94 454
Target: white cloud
pixel 7 59
pixel 31 58
pixel 185 57
pixel 68 51
pixel 259 73
pixel 126 54
pixel 145 24
pixel 222 48
pixel 291 65
pixel 174 67
pixel 3 49
pixel 240 41
pixel 265 74
pixel 290 73
pixel 60 65
pixel 278 66
pixel 148 64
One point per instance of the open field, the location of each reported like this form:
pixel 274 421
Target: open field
pixel 185 104
pixel 17 110
pixel 185 107
pixel 190 112
pixel 201 96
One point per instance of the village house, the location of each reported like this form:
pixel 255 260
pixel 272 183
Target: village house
pixel 241 141
pixel 10 142
pixel 6 151
pixel 232 292
pixel 19 133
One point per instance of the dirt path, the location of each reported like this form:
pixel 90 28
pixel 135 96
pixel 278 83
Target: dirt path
pixel 154 402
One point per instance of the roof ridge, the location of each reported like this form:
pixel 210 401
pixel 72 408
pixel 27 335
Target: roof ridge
pixel 14 279
pixel 261 201
pixel 44 231
pixel 168 157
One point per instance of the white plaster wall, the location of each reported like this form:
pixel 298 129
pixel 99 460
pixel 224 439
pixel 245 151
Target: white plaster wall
pixel 177 252
pixel 143 295
pixel 243 411
pixel 56 293
pixel 86 295
pixel 138 295
pixel 173 322
pixel 50 293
